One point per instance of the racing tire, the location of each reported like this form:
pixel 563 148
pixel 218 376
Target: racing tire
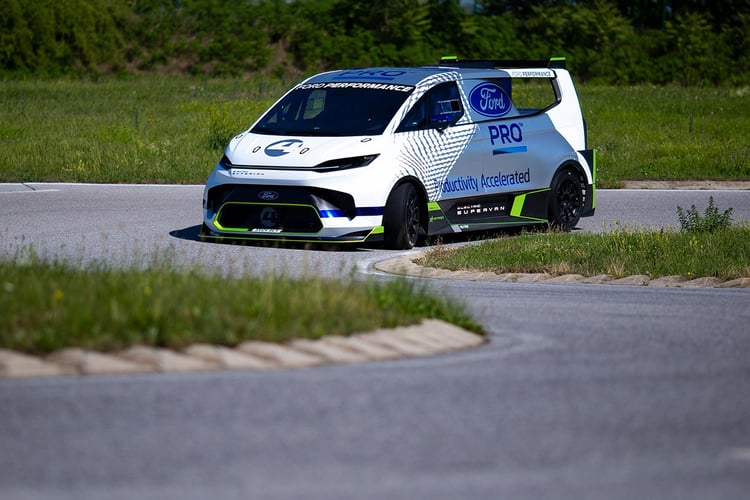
pixel 401 218
pixel 566 200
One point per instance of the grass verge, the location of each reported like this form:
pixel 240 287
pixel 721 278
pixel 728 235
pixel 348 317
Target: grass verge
pixel 173 130
pixel 668 133
pixel 724 253
pixel 49 306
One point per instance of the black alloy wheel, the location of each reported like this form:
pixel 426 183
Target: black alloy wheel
pixel 401 219
pixel 566 200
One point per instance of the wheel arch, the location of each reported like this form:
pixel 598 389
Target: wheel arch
pixel 573 166
pixel 421 193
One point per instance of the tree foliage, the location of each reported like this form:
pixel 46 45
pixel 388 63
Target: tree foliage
pixel 691 42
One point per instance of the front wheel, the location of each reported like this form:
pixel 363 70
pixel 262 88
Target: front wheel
pixel 566 200
pixel 401 219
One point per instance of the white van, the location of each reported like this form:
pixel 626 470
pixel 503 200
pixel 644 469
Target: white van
pixel 396 154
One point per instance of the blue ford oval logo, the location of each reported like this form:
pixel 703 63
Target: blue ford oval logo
pixel 283 147
pixel 268 195
pixel 489 99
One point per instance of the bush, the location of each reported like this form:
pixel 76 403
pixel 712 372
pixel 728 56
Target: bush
pixel 712 220
pixel 603 40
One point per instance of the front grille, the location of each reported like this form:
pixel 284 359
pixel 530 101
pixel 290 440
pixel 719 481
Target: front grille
pixel 270 218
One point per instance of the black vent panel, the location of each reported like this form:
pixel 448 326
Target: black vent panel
pixel 269 218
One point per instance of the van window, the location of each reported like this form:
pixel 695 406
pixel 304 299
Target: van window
pixel 530 95
pixel 439 107
pixel 334 110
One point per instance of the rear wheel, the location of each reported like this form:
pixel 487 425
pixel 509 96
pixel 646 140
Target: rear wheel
pixel 401 219
pixel 566 200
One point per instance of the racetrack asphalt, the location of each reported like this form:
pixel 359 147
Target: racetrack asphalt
pixel 428 338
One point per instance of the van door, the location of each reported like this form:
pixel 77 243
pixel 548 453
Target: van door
pixel 435 142
pixel 520 146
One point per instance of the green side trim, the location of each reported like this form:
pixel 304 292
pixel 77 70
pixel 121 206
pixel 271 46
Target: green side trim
pixel 518 202
pixel 593 167
pixel 593 178
pixel 433 206
pixel 377 230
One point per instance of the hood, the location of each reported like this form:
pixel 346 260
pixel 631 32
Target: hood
pixel 248 149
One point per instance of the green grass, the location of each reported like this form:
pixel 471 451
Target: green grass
pixel 173 129
pixel 145 130
pixel 46 306
pixel 723 253
pixel 668 133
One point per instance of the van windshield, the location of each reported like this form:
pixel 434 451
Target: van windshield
pixel 334 109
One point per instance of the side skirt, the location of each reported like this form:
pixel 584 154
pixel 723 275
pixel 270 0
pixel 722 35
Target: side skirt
pixel 488 212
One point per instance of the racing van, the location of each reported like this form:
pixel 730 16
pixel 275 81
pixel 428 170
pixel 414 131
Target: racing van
pixel 398 154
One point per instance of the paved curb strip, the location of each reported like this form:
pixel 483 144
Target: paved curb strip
pixel 164 360
pixel 280 355
pixel 83 362
pixel 226 358
pixel 15 364
pixel 427 338
pixel 406 266
pixel 331 353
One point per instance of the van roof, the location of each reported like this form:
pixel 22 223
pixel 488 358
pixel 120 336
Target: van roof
pixel 386 75
pixel 468 69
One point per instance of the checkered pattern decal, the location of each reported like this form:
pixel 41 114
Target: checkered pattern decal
pixel 430 155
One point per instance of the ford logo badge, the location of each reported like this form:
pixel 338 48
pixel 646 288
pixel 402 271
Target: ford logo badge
pixel 268 195
pixel 489 99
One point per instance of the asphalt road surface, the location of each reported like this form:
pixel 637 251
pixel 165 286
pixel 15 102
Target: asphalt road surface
pixel 582 392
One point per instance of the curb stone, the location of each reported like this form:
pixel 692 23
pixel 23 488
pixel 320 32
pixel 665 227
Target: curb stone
pixel 691 185
pixel 164 360
pixel 329 352
pixel 427 338
pixel 363 343
pixel 635 280
pixel 405 266
pixel 738 283
pixel 229 359
pixel 87 362
pixel 16 364
pixel 280 355
pixel 668 281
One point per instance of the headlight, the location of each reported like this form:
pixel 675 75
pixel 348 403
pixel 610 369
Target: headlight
pixel 344 163
pixel 225 163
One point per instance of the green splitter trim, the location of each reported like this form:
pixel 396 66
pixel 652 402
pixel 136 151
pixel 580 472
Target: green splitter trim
pixel 518 202
pixel 290 238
